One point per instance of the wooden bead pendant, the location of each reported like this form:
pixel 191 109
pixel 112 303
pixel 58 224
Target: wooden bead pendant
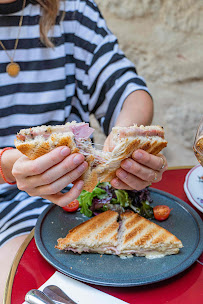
pixel 13 69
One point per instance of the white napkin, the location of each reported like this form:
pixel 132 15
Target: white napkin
pixel 79 292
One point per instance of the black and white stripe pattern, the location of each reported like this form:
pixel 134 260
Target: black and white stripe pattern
pixel 19 213
pixel 85 73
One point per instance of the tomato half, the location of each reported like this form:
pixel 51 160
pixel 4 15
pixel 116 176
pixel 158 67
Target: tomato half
pixel 71 207
pixel 161 212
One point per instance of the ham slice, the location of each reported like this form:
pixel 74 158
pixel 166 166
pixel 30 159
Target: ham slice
pixel 80 130
pixel 128 132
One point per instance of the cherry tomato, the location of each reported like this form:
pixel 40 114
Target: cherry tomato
pixel 161 212
pixel 71 207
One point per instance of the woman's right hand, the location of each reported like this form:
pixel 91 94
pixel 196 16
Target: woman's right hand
pixel 47 175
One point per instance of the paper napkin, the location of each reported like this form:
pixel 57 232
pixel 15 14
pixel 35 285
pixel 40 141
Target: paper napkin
pixel 79 292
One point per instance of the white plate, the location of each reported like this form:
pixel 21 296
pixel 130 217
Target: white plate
pixel 193 186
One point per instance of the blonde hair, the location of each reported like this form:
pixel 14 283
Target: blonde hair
pixel 50 9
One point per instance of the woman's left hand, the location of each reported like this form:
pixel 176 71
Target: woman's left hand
pixel 140 171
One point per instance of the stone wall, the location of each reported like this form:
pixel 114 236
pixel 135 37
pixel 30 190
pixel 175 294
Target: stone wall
pixel 164 38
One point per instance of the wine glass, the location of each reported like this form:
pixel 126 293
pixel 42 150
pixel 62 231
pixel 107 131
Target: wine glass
pixel 198 143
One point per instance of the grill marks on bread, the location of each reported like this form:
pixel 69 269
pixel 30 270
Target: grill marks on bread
pixel 111 231
pixel 139 231
pixel 133 235
pixel 99 230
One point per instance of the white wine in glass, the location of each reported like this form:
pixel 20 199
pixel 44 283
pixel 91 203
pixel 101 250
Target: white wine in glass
pixel 198 143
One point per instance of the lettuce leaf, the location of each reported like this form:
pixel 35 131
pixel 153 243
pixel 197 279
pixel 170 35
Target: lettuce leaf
pixel 105 197
pixel 85 199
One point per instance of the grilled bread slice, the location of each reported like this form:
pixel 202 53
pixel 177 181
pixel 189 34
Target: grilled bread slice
pixel 127 140
pixel 141 237
pixel 37 141
pixel 98 234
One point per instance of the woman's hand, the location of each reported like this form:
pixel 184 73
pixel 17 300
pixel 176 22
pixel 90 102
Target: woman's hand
pixel 139 171
pixel 47 175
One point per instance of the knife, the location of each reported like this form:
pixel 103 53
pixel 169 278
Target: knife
pixel 57 295
pixel 35 296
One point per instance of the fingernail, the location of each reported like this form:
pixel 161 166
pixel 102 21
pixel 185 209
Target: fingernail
pixel 80 185
pixel 127 164
pixel 65 151
pixel 122 174
pixel 81 168
pixel 115 182
pixel 137 155
pixel 77 159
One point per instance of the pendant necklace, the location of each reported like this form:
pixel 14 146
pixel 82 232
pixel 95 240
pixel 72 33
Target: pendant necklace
pixel 13 68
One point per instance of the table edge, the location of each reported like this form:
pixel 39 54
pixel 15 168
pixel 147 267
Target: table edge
pixel 11 275
pixel 180 167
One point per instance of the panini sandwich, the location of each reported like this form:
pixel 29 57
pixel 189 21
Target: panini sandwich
pixel 132 235
pixel 98 234
pixel 141 237
pixel 37 141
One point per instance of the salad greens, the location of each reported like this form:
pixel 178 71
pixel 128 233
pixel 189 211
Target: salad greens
pixel 85 199
pixel 104 197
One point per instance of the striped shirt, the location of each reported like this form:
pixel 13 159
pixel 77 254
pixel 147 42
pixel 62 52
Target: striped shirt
pixel 85 73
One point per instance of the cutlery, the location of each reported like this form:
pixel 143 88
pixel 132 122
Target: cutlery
pixel 35 296
pixel 57 295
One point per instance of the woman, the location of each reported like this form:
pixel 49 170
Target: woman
pixel 59 62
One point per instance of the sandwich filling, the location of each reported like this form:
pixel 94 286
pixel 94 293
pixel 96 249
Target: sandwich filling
pixel 147 252
pixel 134 131
pixel 80 131
pixel 105 249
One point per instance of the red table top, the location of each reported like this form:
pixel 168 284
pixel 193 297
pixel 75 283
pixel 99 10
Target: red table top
pixel 32 269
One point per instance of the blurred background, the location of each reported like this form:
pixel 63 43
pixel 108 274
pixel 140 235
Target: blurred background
pixel 164 38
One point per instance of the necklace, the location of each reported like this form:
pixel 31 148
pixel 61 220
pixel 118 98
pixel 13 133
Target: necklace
pixel 13 68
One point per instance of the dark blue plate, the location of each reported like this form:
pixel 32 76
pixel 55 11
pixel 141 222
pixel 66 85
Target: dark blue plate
pixel 110 270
